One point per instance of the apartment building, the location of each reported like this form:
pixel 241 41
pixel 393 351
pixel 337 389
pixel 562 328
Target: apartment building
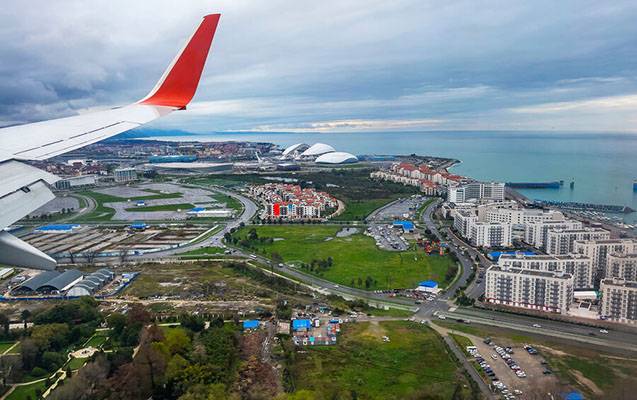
pixel 486 234
pixel 521 216
pixel 490 191
pixel 599 250
pixel 462 220
pixel 561 241
pixel 622 266
pixel 535 233
pixel 619 300
pixel 579 266
pixel 525 288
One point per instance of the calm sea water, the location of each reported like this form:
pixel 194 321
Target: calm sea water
pixel 603 166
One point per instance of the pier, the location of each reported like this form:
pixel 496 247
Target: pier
pixel 569 205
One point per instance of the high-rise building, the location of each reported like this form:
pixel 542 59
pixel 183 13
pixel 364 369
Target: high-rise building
pixel 561 241
pixel 535 233
pixel 622 266
pixel 538 290
pixel 599 250
pixel 491 191
pixel 486 234
pixel 619 300
pixel 579 266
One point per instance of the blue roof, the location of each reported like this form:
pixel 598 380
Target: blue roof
pixel 138 225
pixel 429 284
pixel 496 254
pixel 574 396
pixel 407 225
pixel 250 324
pixel 197 209
pixel 301 324
pixel 58 227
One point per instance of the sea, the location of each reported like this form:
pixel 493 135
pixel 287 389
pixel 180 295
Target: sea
pixel 602 165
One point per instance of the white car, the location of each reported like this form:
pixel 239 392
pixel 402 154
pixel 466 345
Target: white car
pixel 537 325
pixel 604 331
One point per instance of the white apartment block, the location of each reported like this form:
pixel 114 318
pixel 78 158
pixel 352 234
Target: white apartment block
pixel 577 265
pixel 493 191
pixel 521 216
pixel 537 290
pixel 485 234
pixel 462 220
pixel 619 300
pixel 561 241
pixel 535 233
pixel 622 266
pixel 599 250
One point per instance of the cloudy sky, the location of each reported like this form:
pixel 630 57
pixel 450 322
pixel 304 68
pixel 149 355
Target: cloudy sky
pixel 330 65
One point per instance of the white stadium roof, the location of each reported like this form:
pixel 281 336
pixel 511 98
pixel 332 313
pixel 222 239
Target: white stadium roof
pixel 337 157
pixel 317 149
pixel 295 147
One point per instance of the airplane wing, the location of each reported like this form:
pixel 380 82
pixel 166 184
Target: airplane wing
pixel 24 188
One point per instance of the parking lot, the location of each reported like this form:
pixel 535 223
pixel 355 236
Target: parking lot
pixel 388 237
pixel 400 209
pixel 514 372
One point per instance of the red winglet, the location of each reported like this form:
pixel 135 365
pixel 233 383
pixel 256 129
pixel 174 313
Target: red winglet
pixel 178 84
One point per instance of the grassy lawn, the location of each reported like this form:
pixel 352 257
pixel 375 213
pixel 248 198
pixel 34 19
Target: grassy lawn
pixel 27 391
pixel 4 346
pixel 354 257
pixel 163 207
pixel 462 342
pixel 414 364
pixel 96 341
pixel 357 210
pixel 76 363
pixel 203 251
pixel 230 201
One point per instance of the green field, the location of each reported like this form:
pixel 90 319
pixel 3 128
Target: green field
pixel 163 207
pixel 203 251
pixel 357 210
pixel 414 364
pixel 4 346
pixel 96 341
pixel 27 391
pixel 354 257
pixel 462 342
pixel 76 363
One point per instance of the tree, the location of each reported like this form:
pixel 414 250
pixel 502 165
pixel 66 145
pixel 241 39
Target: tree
pixel 276 257
pixel 4 321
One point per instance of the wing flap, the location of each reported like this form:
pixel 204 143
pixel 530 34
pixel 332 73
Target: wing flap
pixel 14 251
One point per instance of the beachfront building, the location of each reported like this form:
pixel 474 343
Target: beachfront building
pixel 619 300
pixel 535 233
pixel 286 201
pixel 476 191
pixel 561 241
pixel 577 265
pixel 539 290
pixel 431 182
pixel 622 266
